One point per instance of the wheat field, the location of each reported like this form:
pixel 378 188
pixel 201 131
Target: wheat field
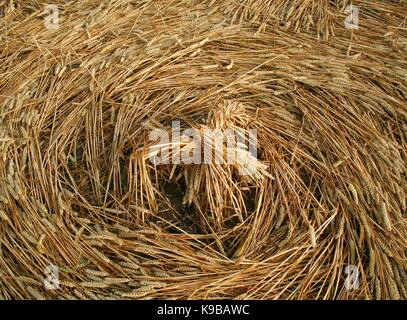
pixel 81 201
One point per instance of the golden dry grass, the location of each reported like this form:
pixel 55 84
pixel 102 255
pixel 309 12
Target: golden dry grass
pixel 77 189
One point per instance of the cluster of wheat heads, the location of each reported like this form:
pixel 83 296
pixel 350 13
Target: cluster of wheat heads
pixel 78 191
